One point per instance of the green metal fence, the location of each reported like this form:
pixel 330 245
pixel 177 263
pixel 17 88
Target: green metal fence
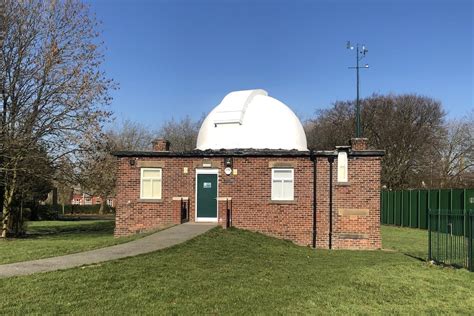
pixel 409 208
pixel 450 237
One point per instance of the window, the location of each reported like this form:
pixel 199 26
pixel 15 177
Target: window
pixel 342 174
pixel 150 187
pixel 282 184
pixel 88 201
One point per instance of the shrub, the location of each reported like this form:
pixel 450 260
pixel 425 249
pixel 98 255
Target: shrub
pixel 85 209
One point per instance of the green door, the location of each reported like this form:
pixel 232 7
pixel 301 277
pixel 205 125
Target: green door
pixel 207 196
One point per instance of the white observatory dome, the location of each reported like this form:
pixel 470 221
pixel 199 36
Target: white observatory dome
pixel 251 119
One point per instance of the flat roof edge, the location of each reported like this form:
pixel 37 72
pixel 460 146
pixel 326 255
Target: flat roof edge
pixel 246 153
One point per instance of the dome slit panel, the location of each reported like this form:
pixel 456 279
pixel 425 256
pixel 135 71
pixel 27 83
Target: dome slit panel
pixel 233 106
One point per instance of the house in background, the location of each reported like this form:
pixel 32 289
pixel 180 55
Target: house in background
pixel 79 198
pixel 252 169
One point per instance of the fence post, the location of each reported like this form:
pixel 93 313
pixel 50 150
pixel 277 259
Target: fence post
pixel 439 199
pixel 381 207
pixel 418 209
pixel 429 236
pixel 392 214
pixel 394 208
pixel 438 234
pixel 428 204
pixel 451 200
pixel 469 241
pixel 465 211
pixel 402 213
pixel 409 208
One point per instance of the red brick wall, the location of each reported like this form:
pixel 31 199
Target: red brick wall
pixel 361 192
pixel 253 209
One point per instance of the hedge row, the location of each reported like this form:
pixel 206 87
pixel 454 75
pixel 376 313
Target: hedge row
pixel 82 209
pixel 45 212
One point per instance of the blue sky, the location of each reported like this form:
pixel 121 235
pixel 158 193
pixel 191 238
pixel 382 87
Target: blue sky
pixel 173 58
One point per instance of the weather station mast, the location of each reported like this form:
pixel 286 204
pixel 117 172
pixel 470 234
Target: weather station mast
pixel 360 54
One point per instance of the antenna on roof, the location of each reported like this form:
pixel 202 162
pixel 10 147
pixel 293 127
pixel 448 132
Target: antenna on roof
pixel 360 54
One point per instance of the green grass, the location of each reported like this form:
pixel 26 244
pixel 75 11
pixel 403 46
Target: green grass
pixel 410 241
pixel 55 238
pixel 239 272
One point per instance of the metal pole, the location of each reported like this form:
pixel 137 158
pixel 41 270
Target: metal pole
pixel 357 99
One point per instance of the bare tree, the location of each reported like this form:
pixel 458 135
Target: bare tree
pixel 129 135
pixel 97 171
pixel 408 127
pixel 2 22
pixel 456 153
pixel 331 127
pixel 97 174
pixel 54 90
pixel 182 134
pixel 65 180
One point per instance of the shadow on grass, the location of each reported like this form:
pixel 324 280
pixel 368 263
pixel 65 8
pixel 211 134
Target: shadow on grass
pixel 103 228
pixel 422 259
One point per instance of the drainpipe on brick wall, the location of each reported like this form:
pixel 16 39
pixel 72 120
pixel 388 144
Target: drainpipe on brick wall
pixel 314 160
pixel 331 160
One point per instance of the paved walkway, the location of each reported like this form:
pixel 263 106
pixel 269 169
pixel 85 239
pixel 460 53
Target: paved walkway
pixel 159 240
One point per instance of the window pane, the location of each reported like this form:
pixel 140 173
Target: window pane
pixel 283 174
pixel 342 176
pixel 287 190
pixel 157 189
pixel 151 173
pixel 276 189
pixel 146 188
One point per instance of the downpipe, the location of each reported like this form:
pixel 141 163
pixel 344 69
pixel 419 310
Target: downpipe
pixel 315 162
pixel 331 161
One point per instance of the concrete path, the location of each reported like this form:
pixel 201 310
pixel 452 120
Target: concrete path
pixel 159 240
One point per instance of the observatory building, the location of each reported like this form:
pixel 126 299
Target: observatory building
pixel 252 169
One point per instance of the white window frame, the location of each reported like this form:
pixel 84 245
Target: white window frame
pixel 160 178
pixel 342 167
pixel 283 198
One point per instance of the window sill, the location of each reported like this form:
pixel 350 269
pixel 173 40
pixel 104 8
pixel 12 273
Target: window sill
pixel 282 202
pixel 150 200
pixel 343 184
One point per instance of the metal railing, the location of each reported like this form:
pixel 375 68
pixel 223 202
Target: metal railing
pixel 450 237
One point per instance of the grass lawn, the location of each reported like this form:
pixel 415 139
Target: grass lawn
pixel 238 272
pixel 54 238
pixel 410 241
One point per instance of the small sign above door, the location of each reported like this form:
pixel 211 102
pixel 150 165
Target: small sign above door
pixel 206 185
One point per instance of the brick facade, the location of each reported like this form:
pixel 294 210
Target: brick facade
pixel 356 212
